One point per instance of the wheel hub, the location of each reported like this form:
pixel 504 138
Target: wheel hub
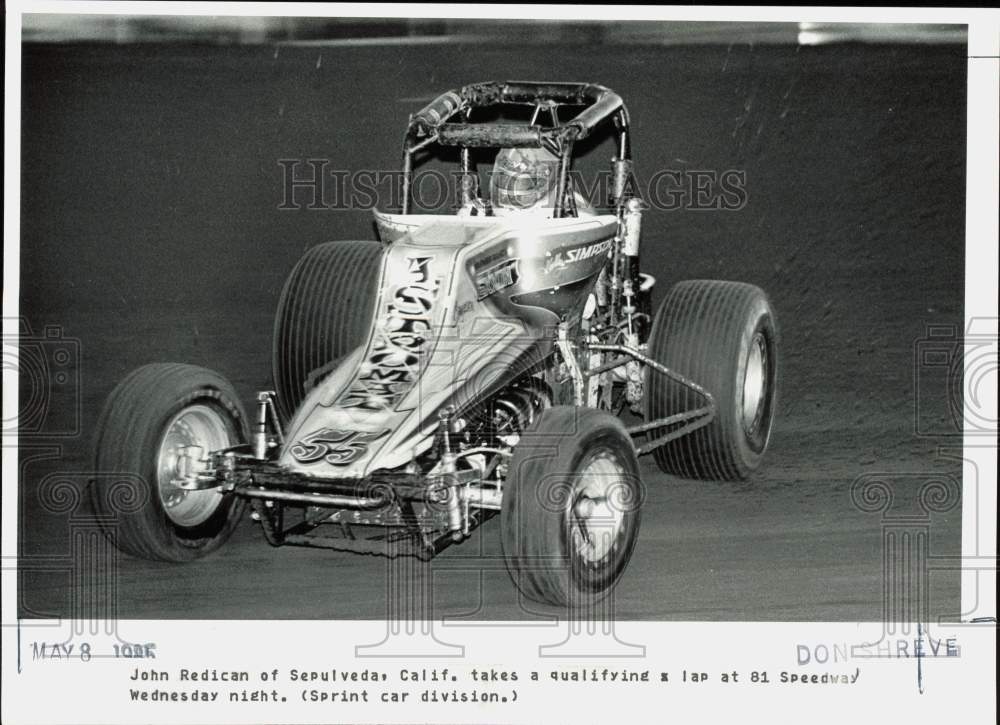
pixel 190 433
pixel 754 384
pixel 598 509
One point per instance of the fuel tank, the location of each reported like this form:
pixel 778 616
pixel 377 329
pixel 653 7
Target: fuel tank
pixel 464 306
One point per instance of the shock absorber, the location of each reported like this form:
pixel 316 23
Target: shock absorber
pixel 621 173
pixel 632 220
pixel 266 410
pixel 260 430
pixel 448 469
pixel 631 229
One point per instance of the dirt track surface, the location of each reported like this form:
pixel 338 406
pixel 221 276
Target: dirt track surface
pixel 150 232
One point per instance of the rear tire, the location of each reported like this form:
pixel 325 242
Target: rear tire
pixel 154 412
pixel 571 507
pixel 324 312
pixel 723 336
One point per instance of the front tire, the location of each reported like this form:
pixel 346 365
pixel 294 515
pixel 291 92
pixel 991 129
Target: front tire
pixel 723 336
pixel 571 507
pixel 148 424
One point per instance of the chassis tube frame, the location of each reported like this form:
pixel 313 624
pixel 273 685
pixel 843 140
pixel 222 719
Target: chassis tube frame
pixel 700 417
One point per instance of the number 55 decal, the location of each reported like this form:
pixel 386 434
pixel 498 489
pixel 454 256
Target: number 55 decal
pixel 336 447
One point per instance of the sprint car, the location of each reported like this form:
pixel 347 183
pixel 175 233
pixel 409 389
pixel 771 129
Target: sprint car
pixel 465 365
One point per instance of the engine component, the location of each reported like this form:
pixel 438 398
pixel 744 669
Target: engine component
pixel 501 420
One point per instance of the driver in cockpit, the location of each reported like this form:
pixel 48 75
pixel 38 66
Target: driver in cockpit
pixel 523 182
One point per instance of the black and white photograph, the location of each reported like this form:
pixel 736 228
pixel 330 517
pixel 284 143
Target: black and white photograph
pixel 319 319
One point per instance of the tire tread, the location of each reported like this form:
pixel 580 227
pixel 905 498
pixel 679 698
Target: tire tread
pixel 325 311
pixel 127 427
pixel 696 327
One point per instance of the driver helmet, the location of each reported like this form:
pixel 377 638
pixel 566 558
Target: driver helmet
pixel 523 178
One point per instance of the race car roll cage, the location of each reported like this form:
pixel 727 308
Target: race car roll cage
pixel 249 471
pixel 433 124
